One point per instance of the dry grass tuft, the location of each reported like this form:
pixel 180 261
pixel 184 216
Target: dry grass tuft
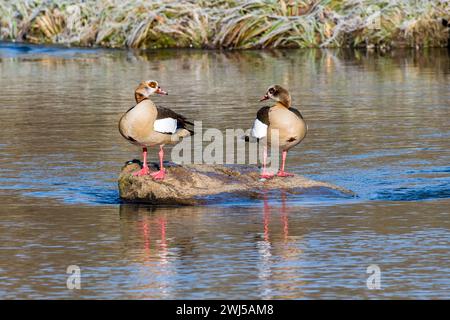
pixel 235 24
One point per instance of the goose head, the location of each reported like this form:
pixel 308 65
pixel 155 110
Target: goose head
pixel 146 89
pixel 278 94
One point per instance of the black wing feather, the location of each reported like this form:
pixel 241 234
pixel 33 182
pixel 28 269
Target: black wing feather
pixel 182 122
pixel 263 115
pixel 296 112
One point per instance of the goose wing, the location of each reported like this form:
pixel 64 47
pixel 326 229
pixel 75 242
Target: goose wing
pixel 261 123
pixel 168 121
pixel 296 112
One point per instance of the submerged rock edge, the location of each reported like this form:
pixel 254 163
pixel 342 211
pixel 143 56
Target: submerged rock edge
pixel 204 184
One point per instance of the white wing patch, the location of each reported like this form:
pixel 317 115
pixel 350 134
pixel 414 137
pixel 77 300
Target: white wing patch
pixel 259 129
pixel 166 125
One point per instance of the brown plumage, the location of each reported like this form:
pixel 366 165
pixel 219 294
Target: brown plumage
pixel 281 117
pixel 148 125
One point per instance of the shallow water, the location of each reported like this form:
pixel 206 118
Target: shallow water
pixel 379 125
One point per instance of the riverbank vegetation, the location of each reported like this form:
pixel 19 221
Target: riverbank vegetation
pixel 234 24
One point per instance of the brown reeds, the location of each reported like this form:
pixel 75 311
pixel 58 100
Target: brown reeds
pixel 236 24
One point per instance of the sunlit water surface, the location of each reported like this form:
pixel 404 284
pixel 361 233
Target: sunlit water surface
pixel 379 125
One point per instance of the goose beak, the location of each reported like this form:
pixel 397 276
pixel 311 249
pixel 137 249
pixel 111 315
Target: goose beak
pixel 265 97
pixel 160 91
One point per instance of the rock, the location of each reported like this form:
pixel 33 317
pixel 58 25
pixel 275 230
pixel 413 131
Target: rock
pixel 205 184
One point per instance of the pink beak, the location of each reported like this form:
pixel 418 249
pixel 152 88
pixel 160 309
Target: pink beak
pixel 265 97
pixel 160 91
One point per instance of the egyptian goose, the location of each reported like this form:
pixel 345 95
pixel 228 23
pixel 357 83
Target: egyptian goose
pixel 288 121
pixel 148 125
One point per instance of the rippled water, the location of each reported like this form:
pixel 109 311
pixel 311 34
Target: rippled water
pixel 379 125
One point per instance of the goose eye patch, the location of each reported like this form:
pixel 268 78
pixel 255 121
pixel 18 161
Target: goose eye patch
pixel 152 84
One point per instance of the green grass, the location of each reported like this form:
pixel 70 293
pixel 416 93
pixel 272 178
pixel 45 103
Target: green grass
pixel 234 24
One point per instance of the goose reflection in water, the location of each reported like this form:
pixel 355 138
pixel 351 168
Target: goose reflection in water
pixel 272 276
pixel 145 244
pixel 164 243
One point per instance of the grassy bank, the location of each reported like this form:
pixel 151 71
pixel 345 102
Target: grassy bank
pixel 227 23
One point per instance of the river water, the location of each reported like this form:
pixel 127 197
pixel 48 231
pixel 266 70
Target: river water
pixel 379 124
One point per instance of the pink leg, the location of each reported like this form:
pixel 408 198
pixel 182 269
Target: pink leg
pixel 265 174
pixel 159 175
pixel 145 169
pixel 283 173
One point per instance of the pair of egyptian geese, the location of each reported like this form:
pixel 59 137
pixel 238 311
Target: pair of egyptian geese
pixel 148 125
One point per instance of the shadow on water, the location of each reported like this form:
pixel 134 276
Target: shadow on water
pixel 25 51
pixel 87 195
pixel 440 191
